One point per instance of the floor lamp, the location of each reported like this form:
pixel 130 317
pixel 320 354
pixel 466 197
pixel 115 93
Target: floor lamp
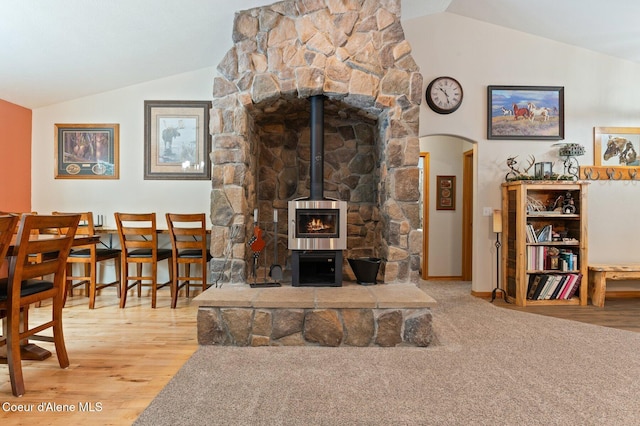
pixel 497 228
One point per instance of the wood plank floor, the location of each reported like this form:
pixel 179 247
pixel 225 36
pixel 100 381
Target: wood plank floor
pixel 122 358
pixel 618 312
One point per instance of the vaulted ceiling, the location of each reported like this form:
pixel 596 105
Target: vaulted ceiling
pixel 58 50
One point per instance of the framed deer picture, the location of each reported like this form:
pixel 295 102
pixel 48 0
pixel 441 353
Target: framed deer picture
pixel 525 112
pixel 177 141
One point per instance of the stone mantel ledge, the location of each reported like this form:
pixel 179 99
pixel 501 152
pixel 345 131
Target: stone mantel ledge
pixel 349 296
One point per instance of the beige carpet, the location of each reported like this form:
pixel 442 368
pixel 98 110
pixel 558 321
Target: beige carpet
pixel 490 366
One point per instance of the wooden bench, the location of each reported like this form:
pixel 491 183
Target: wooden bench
pixel 600 273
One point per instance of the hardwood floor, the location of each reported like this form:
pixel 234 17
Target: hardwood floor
pixel 120 360
pixel 618 312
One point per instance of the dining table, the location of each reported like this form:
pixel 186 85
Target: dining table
pixel 31 351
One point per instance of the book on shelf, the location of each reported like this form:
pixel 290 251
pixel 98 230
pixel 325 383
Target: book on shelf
pixel 545 234
pixel 554 287
pixel 543 282
pixel 568 261
pixel 571 279
pixel 534 281
pixel 549 287
pixel 575 287
pixel 561 284
pixel 532 237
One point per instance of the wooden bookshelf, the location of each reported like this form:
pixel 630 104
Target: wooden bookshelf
pixel 561 207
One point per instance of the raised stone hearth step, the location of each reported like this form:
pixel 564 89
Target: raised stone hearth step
pixel 383 315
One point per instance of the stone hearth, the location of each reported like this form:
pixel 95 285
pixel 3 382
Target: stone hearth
pixel 352 315
pixel 354 53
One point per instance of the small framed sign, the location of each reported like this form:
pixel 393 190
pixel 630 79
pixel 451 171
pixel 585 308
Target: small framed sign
pixel 446 193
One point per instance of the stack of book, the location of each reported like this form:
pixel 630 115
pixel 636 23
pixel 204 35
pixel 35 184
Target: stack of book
pixel 553 286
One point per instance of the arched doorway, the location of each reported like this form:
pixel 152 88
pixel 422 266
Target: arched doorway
pixel 447 231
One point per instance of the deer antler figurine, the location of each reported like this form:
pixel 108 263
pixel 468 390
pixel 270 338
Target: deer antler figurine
pixel 531 161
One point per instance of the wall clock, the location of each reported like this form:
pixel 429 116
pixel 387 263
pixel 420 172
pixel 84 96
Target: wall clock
pixel 444 95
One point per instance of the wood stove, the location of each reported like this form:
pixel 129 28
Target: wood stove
pixel 317 225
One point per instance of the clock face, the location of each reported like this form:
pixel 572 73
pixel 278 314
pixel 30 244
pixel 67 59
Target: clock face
pixel 444 95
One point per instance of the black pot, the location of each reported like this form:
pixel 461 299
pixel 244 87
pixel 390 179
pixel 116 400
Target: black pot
pixel 365 269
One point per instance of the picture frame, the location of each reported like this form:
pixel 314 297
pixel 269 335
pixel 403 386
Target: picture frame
pixel 616 154
pixel 87 151
pixel 543 170
pixel 445 192
pixel 177 141
pixel 525 112
pixel 616 146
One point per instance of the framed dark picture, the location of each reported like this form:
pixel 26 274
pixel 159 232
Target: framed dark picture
pixel 525 112
pixel 86 151
pixel 177 142
pixel 445 192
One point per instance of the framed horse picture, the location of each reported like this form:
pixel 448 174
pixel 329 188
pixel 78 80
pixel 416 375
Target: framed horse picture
pixel 525 112
pixel 177 141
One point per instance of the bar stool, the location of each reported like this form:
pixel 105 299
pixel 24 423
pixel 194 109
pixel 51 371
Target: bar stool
pixel 89 257
pixel 188 233
pixel 139 244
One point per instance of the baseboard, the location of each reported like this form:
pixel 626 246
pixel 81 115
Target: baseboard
pixel 445 278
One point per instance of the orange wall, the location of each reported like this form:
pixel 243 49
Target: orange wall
pixel 15 158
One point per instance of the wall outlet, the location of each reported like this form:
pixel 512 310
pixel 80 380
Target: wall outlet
pixel 487 211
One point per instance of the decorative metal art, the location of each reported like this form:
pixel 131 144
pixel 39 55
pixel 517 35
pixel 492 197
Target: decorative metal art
pixel 570 151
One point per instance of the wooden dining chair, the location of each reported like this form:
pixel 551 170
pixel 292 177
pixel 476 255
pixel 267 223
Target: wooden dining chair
pixel 188 234
pixel 139 244
pixel 8 225
pixel 25 286
pixel 36 257
pixel 89 257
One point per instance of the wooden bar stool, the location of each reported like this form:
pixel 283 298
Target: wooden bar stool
pixel 139 244
pixel 188 233
pixel 89 257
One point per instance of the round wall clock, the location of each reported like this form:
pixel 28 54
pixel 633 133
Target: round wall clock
pixel 444 95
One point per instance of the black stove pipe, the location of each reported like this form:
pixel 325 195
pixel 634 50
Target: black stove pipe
pixel 316 167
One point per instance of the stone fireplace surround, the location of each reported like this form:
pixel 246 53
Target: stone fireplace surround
pixel 354 53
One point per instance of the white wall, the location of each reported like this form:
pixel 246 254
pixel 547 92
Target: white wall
pixel 131 193
pixel 599 91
